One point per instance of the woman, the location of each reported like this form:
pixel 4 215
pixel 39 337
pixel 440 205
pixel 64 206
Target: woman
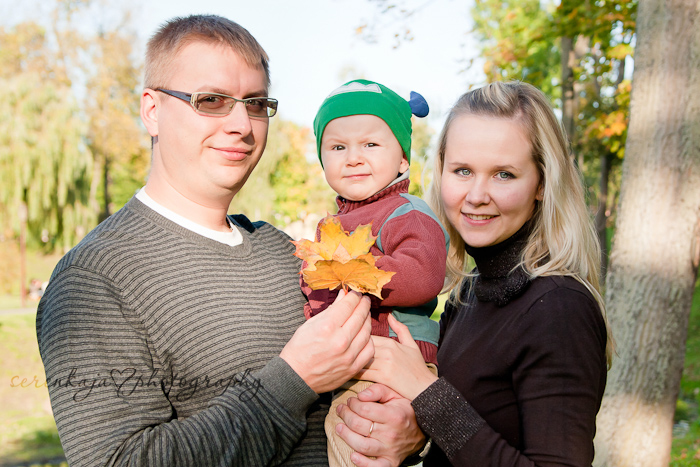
pixel 524 343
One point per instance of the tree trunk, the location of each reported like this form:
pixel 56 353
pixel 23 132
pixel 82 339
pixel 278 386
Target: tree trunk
pixel 567 87
pixel 95 183
pixel 601 217
pixel 581 48
pixel 23 216
pixel 652 267
pixel 105 212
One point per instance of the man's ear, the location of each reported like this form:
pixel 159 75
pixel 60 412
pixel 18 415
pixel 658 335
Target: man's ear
pixel 404 165
pixel 149 111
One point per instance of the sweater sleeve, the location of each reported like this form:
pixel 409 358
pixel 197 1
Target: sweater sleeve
pixel 559 376
pixel 93 349
pixel 414 247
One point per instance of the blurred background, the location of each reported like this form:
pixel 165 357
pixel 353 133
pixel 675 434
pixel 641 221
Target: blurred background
pixel 73 149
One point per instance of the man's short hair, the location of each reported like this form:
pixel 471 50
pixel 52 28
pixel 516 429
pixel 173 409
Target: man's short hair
pixel 178 32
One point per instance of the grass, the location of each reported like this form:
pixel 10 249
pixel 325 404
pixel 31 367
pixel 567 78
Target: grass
pixel 28 432
pixel 10 302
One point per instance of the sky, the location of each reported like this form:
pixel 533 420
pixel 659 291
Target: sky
pixel 314 48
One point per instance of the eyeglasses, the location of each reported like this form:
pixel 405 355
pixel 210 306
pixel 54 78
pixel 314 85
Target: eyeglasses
pixel 211 103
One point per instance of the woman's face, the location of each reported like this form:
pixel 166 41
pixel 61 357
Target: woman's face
pixel 489 180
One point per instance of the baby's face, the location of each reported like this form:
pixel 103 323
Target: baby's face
pixel 360 156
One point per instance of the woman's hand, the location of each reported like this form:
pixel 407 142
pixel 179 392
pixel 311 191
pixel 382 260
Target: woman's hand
pixel 394 431
pixel 398 365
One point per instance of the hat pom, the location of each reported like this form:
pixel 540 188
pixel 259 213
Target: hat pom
pixel 419 106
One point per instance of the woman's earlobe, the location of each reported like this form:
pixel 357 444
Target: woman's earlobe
pixel 540 193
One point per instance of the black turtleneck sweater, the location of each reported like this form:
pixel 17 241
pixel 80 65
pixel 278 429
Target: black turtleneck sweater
pixel 522 366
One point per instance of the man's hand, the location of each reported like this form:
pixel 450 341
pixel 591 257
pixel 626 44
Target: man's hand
pixel 330 348
pixel 395 434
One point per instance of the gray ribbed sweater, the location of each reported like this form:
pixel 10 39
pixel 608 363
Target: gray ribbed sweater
pixel 161 348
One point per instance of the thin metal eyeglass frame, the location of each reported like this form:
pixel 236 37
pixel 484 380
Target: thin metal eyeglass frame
pixel 191 98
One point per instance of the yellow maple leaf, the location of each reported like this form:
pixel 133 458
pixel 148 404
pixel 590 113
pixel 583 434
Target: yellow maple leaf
pixel 340 259
pixel 356 274
pixel 308 251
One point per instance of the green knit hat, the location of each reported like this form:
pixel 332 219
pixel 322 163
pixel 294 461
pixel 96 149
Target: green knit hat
pixel 363 97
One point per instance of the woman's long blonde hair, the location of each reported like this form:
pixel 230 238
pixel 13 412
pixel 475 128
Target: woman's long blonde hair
pixel 563 240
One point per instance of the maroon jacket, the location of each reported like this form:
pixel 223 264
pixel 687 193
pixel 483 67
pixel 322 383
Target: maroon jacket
pixel 414 247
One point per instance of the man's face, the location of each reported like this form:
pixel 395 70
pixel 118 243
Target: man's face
pixel 207 158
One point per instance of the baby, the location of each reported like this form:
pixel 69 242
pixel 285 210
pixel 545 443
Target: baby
pixel 363 135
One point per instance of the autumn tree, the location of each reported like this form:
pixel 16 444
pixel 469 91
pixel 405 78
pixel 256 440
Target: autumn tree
pixel 96 75
pixel 44 163
pixel 656 250
pixel 43 159
pixel 115 135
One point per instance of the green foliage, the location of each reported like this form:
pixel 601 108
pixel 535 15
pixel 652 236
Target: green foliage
pixel 420 147
pixel 44 163
pixel 575 52
pixel 683 411
pixel 685 451
pixel 517 42
pixel 522 39
pixel 66 159
pixel 603 32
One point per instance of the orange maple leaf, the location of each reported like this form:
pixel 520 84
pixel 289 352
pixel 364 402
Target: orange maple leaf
pixel 341 259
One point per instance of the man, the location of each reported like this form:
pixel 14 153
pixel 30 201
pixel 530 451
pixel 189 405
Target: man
pixel 168 334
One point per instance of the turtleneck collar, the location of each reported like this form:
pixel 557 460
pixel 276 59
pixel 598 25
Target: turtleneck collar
pixel 400 185
pixel 495 281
